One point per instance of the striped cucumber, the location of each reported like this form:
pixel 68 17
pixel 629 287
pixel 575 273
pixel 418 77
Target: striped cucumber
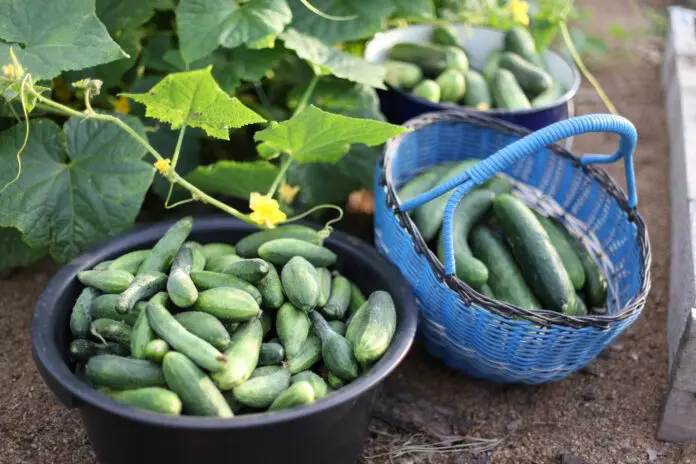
pixel 318 385
pixel 167 247
pixel 299 280
pixel 198 263
pixel 108 281
pixel 281 251
pixel 308 356
pixel 206 327
pixel 249 245
pixel 242 354
pixel 228 304
pixel 81 350
pixel 339 300
pixel 111 330
pixel 376 329
pixel 292 326
pixel 205 280
pixel 130 262
pixel 181 289
pixel 271 354
pixel 335 350
pixel 122 373
pixel 81 315
pixel 156 349
pixel 260 391
pixel 271 289
pixel 297 394
pixel 324 280
pixel 212 250
pixel 145 285
pixel 571 260
pixel 154 399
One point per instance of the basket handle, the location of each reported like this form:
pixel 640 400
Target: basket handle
pixel 529 145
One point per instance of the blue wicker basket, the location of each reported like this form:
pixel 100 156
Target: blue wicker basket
pixel 491 339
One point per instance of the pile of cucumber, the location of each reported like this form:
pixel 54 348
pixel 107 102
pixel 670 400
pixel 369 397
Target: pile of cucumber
pixel 221 330
pixel 505 250
pixel 513 78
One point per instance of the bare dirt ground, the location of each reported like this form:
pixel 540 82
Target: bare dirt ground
pixel 605 414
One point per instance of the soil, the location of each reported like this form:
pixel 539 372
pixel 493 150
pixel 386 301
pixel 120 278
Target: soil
pixel 606 413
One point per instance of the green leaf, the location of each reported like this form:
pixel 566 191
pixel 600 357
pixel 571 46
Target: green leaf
pixel 125 15
pixel 155 48
pixel 370 14
pixel 233 178
pixel 340 96
pixel 414 8
pixel 203 25
pixel 195 99
pixel 14 252
pixel 79 185
pixel 315 136
pixel 246 65
pixel 54 36
pixel 339 63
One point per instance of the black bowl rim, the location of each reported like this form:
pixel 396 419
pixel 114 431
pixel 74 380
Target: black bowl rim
pixel 43 325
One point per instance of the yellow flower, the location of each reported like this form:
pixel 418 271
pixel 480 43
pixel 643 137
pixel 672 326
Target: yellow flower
pixel 266 210
pixel 520 11
pixel 163 166
pixel 121 105
pixel 288 192
pixel 9 71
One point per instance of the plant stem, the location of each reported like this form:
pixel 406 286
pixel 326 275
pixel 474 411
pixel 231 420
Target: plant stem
pixel 306 95
pixel 281 175
pixel 175 159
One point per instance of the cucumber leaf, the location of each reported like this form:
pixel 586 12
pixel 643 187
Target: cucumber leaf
pixel 78 186
pixel 195 99
pixel 14 252
pixel 155 48
pixel 55 36
pixel 368 19
pixel 233 178
pixel 203 25
pixel 316 136
pixel 122 15
pixel 340 96
pixel 340 64
pixel 414 8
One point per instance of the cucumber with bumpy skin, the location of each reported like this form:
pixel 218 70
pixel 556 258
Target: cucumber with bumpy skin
pixel 111 330
pixel 297 394
pixel 156 349
pixel 181 289
pixel 104 265
pixel 339 300
pixel 123 373
pixel 282 250
pixel 571 260
pixel 335 350
pixel 104 307
pixel 108 281
pixel 205 280
pixel 141 335
pixel 260 392
pixel 402 75
pixel 271 354
pixel 252 270
pixel 154 399
pixel 309 355
pixel 206 327
pixel 452 85
pixel 271 289
pixel 81 350
pixel 507 92
pixel 324 279
pixel 249 245
pixel 357 299
pixel 266 322
pixel 376 329
pixel 167 247
pixel 220 263
pixel 265 370
pixel 199 259
pixel 81 315
pixel 228 304
pixel 211 250
pixel 130 262
pixel 317 383
pixel 428 90
pixel 300 284
pixel 477 94
pixel 243 355
pixel 355 322
pixel 145 285
pixel 292 326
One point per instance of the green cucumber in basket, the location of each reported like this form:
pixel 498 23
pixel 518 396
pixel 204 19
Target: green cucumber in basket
pixel 104 307
pixel 299 279
pixel 108 281
pixel 402 75
pixel 428 90
pixel 431 58
pixel 111 330
pixel 519 40
pixel 308 356
pixel 445 34
pixel 266 323
pixel 580 308
pixel 499 185
pixel 419 184
pixel 122 373
pixel 167 247
pixel 507 92
pixel 549 96
pixel 533 79
pixel 141 335
pixel 334 382
pixel 491 66
pixel 487 291
pixel 265 370
pixel 596 284
pixel 242 355
pixel 471 209
pixel 154 399
pixel 339 327
pixel 538 259
pixel 357 299
pixel 564 247
pixel 81 350
pixel 249 245
pixel 156 349
pixel 81 314
pixel 505 280
pixel 315 380
pixel 212 250
pixel 338 303
pixel 477 94
pixel 324 279
pixel 376 329
pixel 260 391
pixel 198 393
pixel 205 280
pixel 145 285
pixel 198 263
pixel 271 289
pixel 336 352
pixel 104 265
pixel 292 325
pixel 354 323
pixel 452 85
pixel 228 304
pixel 252 270
pixel 221 262
pixel 271 354
pixel 297 394
pixel 130 262
pixel 282 250
pixel 206 327
pixel 181 289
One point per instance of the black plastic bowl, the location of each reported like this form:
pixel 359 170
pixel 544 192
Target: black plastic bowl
pixel 332 430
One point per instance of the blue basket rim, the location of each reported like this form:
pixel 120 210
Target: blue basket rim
pixel 466 292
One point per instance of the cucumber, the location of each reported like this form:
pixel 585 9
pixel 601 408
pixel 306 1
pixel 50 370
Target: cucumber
pixel 181 289
pixel 108 281
pixel 452 85
pixel 266 323
pixel 419 184
pixel 335 350
pixel 538 259
pixel 111 330
pixel 198 393
pixel 251 270
pixel 206 327
pixel 471 209
pixel 104 265
pixel 104 307
pixel 232 402
pixel 376 329
pixel 318 385
pixel 339 300
pixel 156 349
pixel 446 35
pixel 507 92
pixel 297 394
pixel 571 260
pixel 249 245
pixel 265 370
pixel 324 280
pixel 292 326
pixel 260 392
pixel 154 399
pixel 299 280
pixel 213 250
pixel 122 373
pixel 205 280
pixel 199 259
pixel 491 65
pixel 243 355
pixel 486 290
pixel 227 304
pixel 428 90
pixel 141 336
pixel 130 262
pixel 81 315
pixel 171 331
pixel 431 58
pixel 281 251
pixel 159 298
pixel 271 289
pixel 309 355
pixel 428 217
pixel 580 308
pixel 519 40
pixel 402 75
pixel 220 263
pixel 596 284
pixel 145 285
pixel 498 185
pixel 335 382
pixel 81 350
pixel 167 247
pixel 354 323
pixel 477 94
pixel 357 299
pixel 533 79
pixel 339 327
pixel 549 96
pixel 271 354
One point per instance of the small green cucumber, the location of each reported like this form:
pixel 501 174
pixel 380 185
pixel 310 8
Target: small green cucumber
pixel 260 392
pixel 571 260
pixel 265 370
pixel 145 285
pixel 533 79
pixel 596 284
pixel 219 263
pixel 419 184
pixel 299 280
pixel 251 270
pixel 471 209
pixel 171 331
pixel 309 355
pixel 324 279
pixel 507 93
pixel 199 259
pixel 156 349
pixel 205 326
pixel 243 355
pixel 297 394
pixel 549 96
pixel 519 39
pixel 232 402
pixel 248 246
pixel 478 94
pixel 111 330
pixel 81 315
pixel 335 350
pixel 198 393
pixel 491 65
pixel 81 350
pixel 141 336
pixel 429 90
pixel 213 250
pixel 205 280
pixel 486 290
pixel 167 247
pixel 130 262
pixel 282 250
pixel 266 322
pixel 357 299
pixel 335 382
pixel 159 298
pixel 154 399
pixel 228 304
pixel 580 308
pixel 122 373
pixel 104 265
pixel 402 75
pixel 104 307
pixel 271 289
pixel 445 34
pixel 318 385
pixel 108 281
pixel 498 185
pixel 292 326
pixel 271 354
pixel 339 327
pixel 377 327
pixel 452 85
pixel 339 300
pixel 431 58
pixel 181 289
pixel 354 322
